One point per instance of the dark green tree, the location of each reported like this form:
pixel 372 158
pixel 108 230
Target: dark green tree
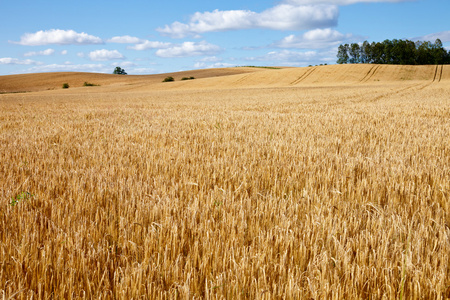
pixel 355 53
pixel 423 50
pixel 388 57
pixel 407 52
pixel 398 52
pixel 365 51
pixel 439 53
pixel 377 53
pixel 343 54
pixel 119 71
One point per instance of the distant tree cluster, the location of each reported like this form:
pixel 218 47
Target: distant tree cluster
pixel 395 52
pixel 119 71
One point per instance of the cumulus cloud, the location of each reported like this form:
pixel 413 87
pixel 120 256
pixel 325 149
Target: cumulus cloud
pixel 280 17
pixel 314 39
pixel 209 62
pixel 146 45
pixel 337 2
pixel 141 71
pixel 43 53
pixel 189 49
pixel 126 39
pixel 287 57
pixel 296 58
pixel 444 36
pixel 108 68
pixel 64 52
pixel 103 55
pixel 59 37
pixel 211 59
pixel 203 65
pixel 15 61
pixel 125 64
pixel 291 56
pixel 69 67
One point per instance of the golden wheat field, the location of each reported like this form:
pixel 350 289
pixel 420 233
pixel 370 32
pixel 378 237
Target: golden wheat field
pixel 328 182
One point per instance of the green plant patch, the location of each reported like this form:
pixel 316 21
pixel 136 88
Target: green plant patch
pixel 168 79
pixel 20 197
pixel 89 84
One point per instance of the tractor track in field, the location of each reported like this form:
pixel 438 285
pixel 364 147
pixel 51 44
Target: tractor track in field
pixel 436 78
pixel 370 74
pixel 303 77
pixel 440 73
pixel 435 73
pixel 403 91
pixel 400 91
pixel 243 78
pixel 415 87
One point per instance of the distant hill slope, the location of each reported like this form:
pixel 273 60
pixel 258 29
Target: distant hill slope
pixel 239 77
pixel 51 81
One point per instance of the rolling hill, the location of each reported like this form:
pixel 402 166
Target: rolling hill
pixel 51 81
pixel 225 78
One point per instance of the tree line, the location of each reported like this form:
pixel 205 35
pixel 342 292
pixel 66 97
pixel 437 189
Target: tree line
pixel 396 52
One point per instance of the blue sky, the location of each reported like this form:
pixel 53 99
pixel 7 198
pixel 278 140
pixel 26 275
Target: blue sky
pixel 148 37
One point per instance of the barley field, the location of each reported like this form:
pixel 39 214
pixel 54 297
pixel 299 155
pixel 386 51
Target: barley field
pixel 328 182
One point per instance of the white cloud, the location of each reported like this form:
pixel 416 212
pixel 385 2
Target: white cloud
pixel 338 2
pixel 103 55
pixel 68 67
pixel 287 57
pixel 314 39
pixel 143 71
pixel 125 64
pixel 204 65
pixel 288 17
pixel 43 53
pixel 211 59
pixel 59 37
pixel 126 39
pixel 297 58
pixel 189 49
pixel 146 45
pixel 15 61
pixel 108 68
pixel 64 52
pixel 291 56
pixel 280 17
pixel 444 36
